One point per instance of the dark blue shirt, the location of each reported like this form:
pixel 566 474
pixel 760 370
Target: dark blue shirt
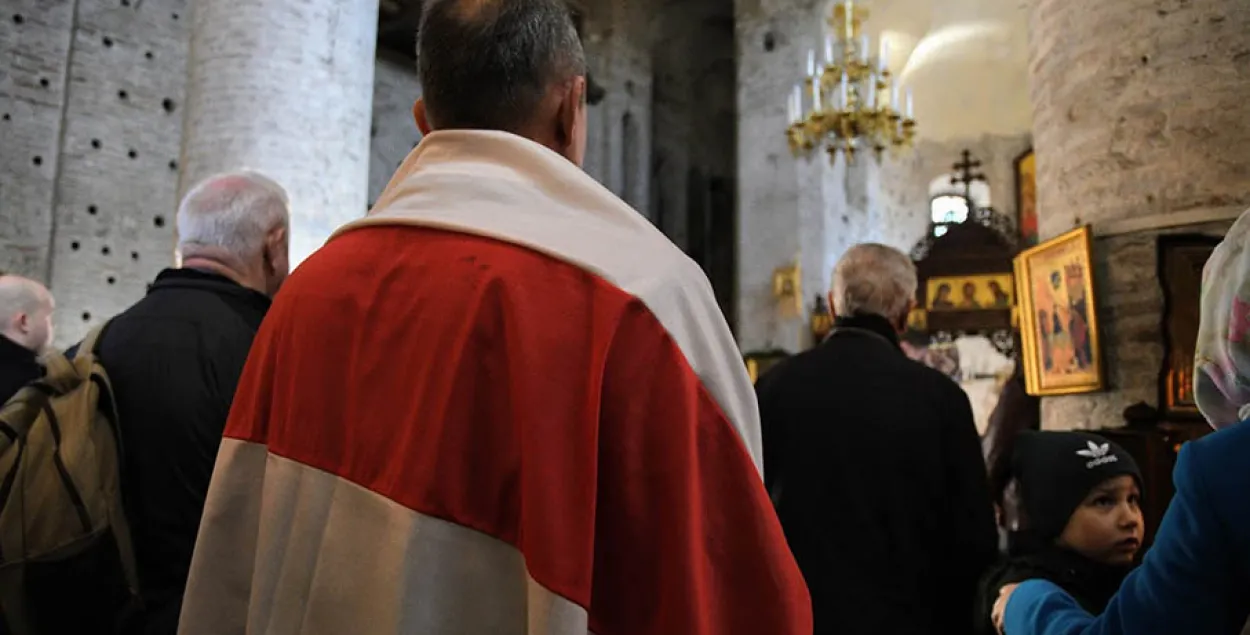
pixel 1194 579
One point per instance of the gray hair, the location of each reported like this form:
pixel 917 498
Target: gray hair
pixel 232 212
pixel 874 279
pixel 488 64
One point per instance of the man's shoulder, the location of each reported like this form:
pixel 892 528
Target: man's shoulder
pixel 1215 464
pixel 654 271
pixel 932 376
pixel 890 358
pixel 166 318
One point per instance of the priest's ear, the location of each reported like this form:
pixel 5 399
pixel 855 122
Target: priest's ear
pixel 571 121
pixel 418 115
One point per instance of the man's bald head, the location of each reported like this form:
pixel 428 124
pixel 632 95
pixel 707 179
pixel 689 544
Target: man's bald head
pixel 491 64
pixel 26 312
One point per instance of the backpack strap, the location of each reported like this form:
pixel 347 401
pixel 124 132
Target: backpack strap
pixel 117 510
pixel 90 346
pixel 121 536
pixel 56 365
pixel 91 343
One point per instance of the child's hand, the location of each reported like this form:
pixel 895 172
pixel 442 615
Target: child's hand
pixel 1000 605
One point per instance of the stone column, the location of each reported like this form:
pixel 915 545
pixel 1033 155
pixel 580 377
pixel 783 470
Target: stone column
pixel 285 87
pixel 1142 127
pixel 781 199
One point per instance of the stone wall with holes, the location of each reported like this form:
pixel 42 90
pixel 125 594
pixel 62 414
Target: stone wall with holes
pixel 905 180
pixel 90 98
pixel 90 90
pixel 394 133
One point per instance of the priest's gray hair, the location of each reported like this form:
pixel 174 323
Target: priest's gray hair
pixel 231 212
pixel 488 64
pixel 874 279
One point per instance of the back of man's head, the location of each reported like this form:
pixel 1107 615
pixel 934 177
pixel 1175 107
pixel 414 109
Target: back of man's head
pixel 26 312
pixel 873 279
pixel 239 221
pixel 491 64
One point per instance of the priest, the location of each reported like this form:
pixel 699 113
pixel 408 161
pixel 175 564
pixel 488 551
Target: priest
pixel 502 403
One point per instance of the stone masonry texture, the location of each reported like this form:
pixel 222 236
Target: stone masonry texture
pixel 94 91
pixel 35 38
pixel 285 87
pixel 780 198
pixel 1140 110
pixel 105 123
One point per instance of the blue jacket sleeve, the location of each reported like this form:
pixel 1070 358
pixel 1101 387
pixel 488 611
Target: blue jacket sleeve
pixel 1186 584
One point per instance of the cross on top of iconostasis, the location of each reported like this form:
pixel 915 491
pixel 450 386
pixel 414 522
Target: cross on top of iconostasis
pixel 966 173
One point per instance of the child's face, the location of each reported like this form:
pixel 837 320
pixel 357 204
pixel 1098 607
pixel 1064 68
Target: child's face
pixel 1107 526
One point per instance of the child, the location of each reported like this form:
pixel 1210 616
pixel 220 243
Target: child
pixel 1082 523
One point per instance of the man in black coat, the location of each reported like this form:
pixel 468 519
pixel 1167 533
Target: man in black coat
pixel 25 331
pixel 174 359
pixel 875 467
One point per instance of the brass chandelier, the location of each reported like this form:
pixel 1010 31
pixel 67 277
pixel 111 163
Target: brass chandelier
pixel 849 101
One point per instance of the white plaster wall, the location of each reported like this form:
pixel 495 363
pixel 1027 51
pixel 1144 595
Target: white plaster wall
pixel 905 180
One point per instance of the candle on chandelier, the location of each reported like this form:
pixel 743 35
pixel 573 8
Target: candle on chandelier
pixel 863 49
pixel 795 107
pixel 844 92
pixel 829 50
pixel 872 91
pixel 884 62
pixel 909 104
pixel 816 94
pixel 850 21
pixel 811 63
pixel 894 97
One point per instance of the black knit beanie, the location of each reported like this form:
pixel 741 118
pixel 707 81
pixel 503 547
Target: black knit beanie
pixel 1055 471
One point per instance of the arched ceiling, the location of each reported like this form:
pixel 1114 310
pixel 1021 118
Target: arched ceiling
pixel 966 61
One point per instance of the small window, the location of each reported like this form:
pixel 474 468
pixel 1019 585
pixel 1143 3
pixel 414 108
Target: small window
pixel 978 191
pixel 947 210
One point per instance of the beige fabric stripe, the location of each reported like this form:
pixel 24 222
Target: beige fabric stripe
pixel 329 557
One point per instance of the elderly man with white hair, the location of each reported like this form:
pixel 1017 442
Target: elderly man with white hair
pixel 174 359
pixel 875 467
pixel 25 331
